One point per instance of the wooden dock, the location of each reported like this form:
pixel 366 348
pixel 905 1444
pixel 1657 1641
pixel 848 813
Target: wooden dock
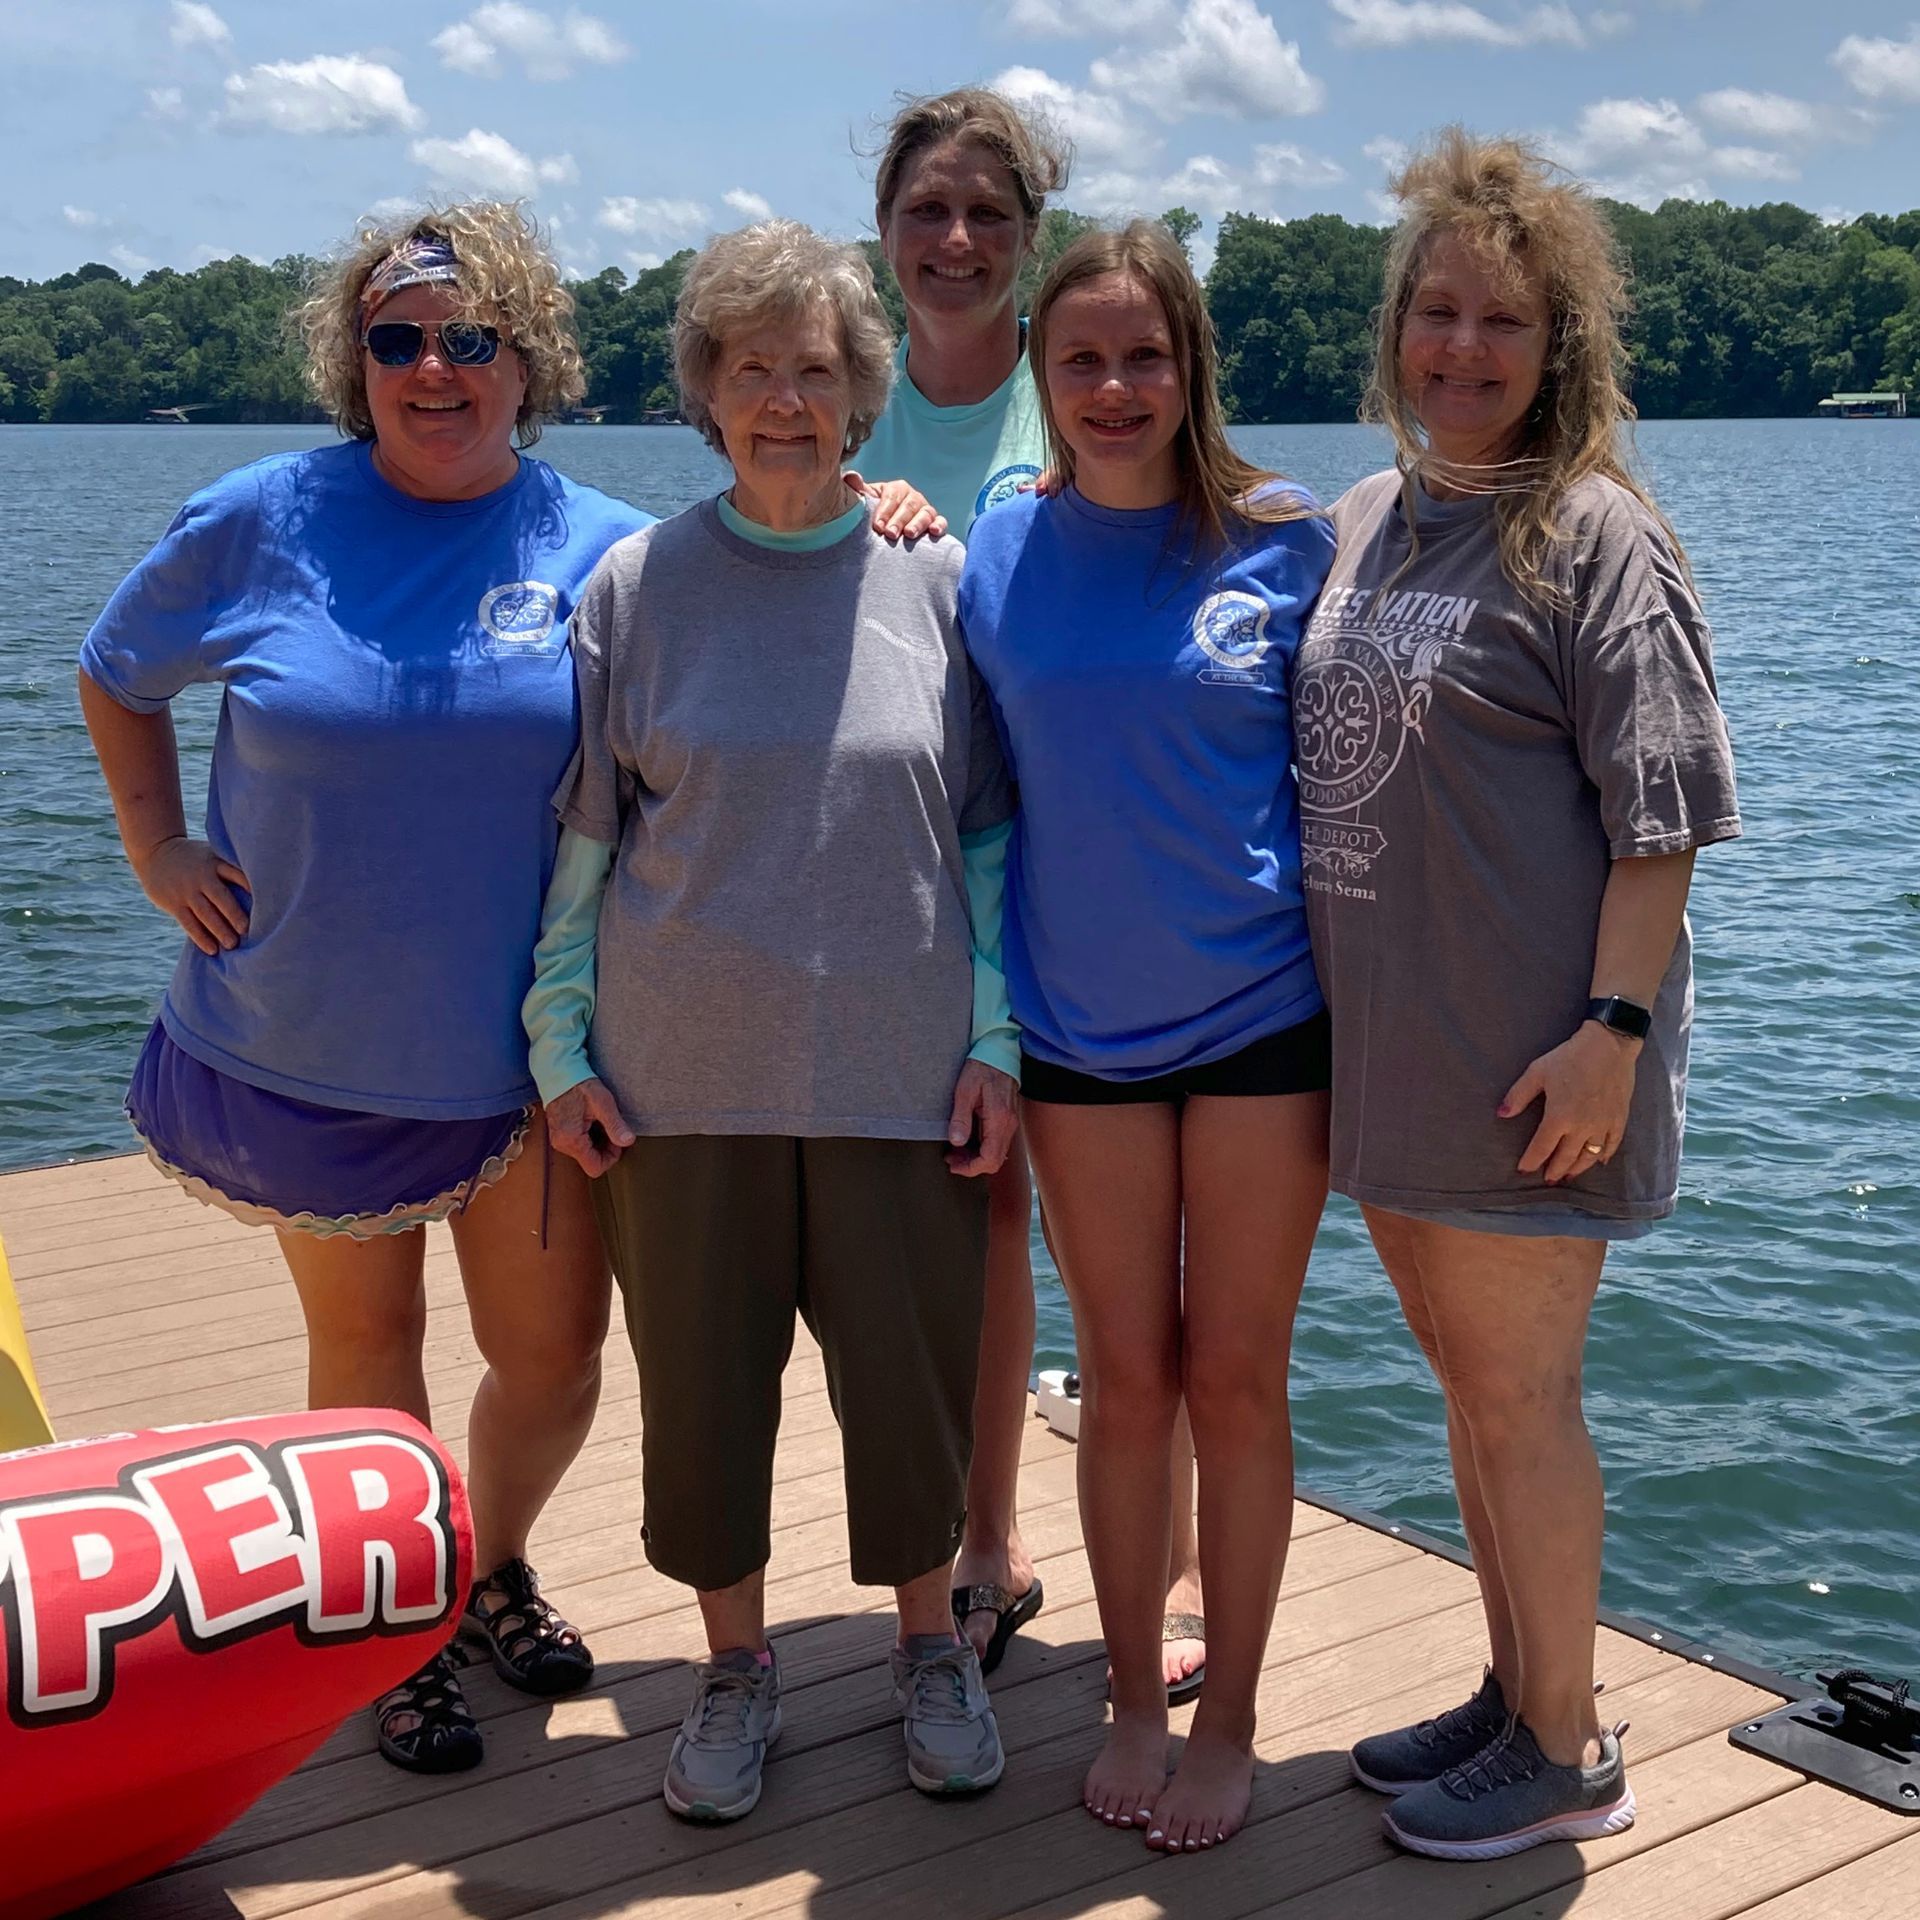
pixel 144 1307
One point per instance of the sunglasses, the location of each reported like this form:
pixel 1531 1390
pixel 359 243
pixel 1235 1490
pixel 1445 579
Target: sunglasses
pixel 399 343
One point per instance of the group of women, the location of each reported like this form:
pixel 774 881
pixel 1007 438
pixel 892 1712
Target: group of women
pixel 734 896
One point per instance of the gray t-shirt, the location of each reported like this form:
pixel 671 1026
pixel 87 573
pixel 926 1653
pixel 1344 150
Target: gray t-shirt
pixel 1470 765
pixel 785 747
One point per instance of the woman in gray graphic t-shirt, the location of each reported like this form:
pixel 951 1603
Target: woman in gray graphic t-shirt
pixel 1509 748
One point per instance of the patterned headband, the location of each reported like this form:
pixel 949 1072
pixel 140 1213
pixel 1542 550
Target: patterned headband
pixel 422 261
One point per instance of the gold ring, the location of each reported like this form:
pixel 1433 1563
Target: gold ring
pixel 1591 1148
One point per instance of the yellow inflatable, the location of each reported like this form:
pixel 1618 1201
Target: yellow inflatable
pixel 23 1414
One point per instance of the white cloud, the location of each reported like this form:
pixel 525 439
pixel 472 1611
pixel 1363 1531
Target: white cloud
pixel 1208 185
pixel 487 163
pixel 328 94
pixel 1753 163
pixel 132 264
pixel 749 206
pixel 80 216
pixel 1285 165
pixel 1096 123
pixel 1405 23
pixel 657 219
pixel 1076 19
pixel 1223 56
pixel 391 208
pixel 547 48
pixel 1761 116
pixel 166 103
pixel 197 26
pixel 1647 151
pixel 1881 69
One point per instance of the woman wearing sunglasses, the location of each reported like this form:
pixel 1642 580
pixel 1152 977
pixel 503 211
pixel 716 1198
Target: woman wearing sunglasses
pixel 339 1055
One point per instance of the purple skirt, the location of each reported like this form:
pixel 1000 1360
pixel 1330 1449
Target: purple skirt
pixel 280 1162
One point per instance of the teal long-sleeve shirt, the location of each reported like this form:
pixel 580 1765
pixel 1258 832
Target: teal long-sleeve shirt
pixel 558 1008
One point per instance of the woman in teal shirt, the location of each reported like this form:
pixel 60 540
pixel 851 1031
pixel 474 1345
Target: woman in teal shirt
pixel 962 184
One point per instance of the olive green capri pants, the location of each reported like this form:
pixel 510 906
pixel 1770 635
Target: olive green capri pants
pixel 717 1240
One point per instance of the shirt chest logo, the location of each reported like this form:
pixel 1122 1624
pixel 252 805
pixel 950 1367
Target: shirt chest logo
pixel 1003 486
pixel 520 618
pixel 1362 685
pixel 1231 630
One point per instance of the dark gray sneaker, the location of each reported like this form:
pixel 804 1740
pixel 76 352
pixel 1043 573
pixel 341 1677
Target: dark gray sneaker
pixel 713 1772
pixel 953 1741
pixel 1393 1762
pixel 1510 1797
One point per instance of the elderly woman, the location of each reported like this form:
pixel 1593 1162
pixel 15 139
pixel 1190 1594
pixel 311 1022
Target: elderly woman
pixel 1509 749
pixel 339 1055
pixel 778 1033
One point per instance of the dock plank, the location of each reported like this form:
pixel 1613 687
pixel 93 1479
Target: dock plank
pixel 144 1307
pixel 1884 1885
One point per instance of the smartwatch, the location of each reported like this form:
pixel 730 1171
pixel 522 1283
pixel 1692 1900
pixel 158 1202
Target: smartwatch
pixel 1621 1016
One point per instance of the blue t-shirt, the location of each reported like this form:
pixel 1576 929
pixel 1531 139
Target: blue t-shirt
pixel 1154 915
pixel 398 709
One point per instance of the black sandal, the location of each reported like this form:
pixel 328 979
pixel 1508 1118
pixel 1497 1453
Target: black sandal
pixel 532 1647
pixel 443 1737
pixel 1010 1615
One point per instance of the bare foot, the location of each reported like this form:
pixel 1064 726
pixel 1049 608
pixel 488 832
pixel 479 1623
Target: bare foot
pixel 1007 1564
pixel 1124 1785
pixel 1179 1658
pixel 1207 1799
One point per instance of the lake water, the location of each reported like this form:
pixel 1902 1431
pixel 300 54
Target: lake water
pixel 1754 1372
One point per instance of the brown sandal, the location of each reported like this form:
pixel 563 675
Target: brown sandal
pixel 1185 1626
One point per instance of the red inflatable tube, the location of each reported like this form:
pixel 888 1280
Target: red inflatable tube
pixel 189 1613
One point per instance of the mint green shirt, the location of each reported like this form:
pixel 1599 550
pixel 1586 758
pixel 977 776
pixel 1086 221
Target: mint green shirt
pixel 558 1010
pixel 964 459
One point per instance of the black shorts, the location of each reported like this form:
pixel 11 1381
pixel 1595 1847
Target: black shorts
pixel 1297 1059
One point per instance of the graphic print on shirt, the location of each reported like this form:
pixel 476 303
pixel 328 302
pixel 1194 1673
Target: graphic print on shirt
pixel 1003 484
pixel 1231 630
pixel 519 617
pixel 1362 683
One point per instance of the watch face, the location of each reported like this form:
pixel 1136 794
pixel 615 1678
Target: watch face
pixel 1621 1016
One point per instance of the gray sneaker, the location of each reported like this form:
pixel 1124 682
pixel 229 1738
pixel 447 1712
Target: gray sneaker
pixel 1510 1797
pixel 1393 1762
pixel 713 1772
pixel 953 1741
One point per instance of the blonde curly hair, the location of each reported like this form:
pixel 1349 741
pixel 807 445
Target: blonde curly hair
pixel 508 278
pixel 1530 224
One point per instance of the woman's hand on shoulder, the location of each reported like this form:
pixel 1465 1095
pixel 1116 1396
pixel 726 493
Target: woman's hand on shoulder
pixel 1587 1085
pixel 572 1118
pixel 986 1114
pixel 900 511
pixel 189 880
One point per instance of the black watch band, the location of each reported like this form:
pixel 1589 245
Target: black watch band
pixel 1621 1016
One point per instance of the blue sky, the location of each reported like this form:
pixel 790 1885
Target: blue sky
pixel 170 132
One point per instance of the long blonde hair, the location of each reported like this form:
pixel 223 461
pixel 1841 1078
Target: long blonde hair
pixel 1218 489
pixel 1532 225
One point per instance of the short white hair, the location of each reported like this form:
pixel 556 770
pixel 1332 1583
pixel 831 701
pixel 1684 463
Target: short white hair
pixel 777 271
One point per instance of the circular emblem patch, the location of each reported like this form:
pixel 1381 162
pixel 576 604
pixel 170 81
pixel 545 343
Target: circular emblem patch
pixel 521 613
pixel 1349 722
pixel 1003 486
pixel 1232 629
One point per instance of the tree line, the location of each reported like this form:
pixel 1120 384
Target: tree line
pixel 1738 311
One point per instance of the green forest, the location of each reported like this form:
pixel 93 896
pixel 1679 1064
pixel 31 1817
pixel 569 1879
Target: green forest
pixel 1738 311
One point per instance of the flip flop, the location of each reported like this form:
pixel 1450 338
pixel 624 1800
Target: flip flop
pixel 1185 1626
pixel 1010 1614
